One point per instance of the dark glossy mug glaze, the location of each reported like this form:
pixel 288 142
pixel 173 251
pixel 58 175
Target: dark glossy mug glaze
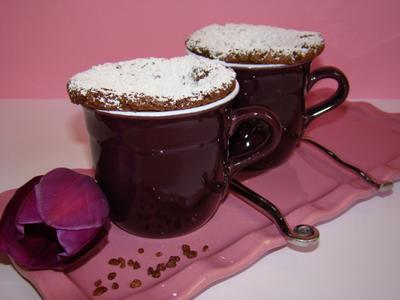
pixel 282 90
pixel 166 176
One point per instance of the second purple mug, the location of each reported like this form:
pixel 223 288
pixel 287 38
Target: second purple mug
pixel 273 69
pixel 283 90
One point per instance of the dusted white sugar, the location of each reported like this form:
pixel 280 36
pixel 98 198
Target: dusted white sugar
pixel 242 39
pixel 163 79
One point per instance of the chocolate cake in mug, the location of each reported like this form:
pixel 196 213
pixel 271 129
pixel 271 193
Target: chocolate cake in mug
pixel 152 84
pixel 159 133
pixel 255 44
pixel 273 70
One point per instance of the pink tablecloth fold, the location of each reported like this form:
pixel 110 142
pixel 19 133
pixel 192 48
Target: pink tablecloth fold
pixel 309 188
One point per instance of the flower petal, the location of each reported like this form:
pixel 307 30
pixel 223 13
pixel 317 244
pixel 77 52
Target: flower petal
pixel 34 244
pixel 32 253
pixel 27 212
pixel 69 200
pixel 74 241
pixel 35 254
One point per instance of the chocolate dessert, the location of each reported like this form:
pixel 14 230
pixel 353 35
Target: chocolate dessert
pixel 152 84
pixel 255 44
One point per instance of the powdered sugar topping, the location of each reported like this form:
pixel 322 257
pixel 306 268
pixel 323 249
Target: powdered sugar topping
pixel 160 79
pixel 222 41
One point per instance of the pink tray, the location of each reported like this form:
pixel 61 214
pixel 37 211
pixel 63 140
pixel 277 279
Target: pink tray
pixel 309 188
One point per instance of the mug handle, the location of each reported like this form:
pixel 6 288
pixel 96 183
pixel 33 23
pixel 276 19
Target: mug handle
pixel 242 160
pixel 333 101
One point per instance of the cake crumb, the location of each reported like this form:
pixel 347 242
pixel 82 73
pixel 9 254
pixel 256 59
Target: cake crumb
pixel 111 275
pixel 114 262
pixel 100 291
pixel 136 283
pixel 97 283
pixel 115 286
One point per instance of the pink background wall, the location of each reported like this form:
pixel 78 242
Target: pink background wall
pixel 44 42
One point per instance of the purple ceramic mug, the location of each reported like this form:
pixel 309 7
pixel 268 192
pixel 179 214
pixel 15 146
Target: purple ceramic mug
pixel 165 173
pixel 282 89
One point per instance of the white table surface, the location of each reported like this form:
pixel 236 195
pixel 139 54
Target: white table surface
pixel 357 257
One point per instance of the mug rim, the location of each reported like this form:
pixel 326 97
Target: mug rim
pixel 174 113
pixel 250 66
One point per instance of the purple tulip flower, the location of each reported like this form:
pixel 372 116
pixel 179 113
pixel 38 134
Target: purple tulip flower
pixel 54 220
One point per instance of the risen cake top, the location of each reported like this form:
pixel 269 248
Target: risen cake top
pixel 255 44
pixel 152 84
